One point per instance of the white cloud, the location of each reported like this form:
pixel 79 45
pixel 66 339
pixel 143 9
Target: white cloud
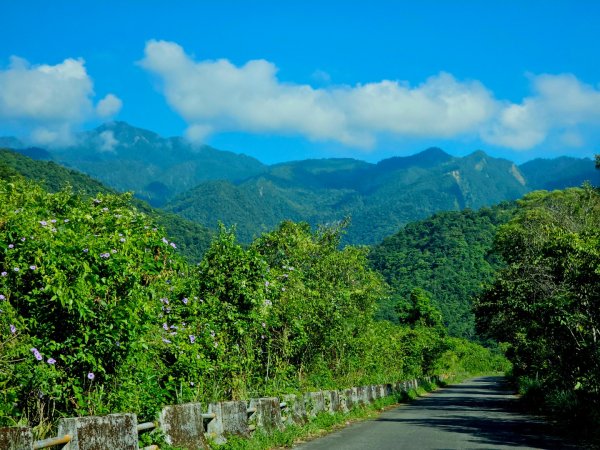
pixel 48 100
pixel 215 96
pixel 560 106
pixel 108 142
pixel 109 106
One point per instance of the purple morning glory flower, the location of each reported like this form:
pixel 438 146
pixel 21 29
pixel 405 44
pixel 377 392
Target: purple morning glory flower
pixel 165 326
pixel 4 274
pixel 91 376
pixel 185 301
pixel 192 338
pixel 122 239
pixel 36 353
pixel 22 239
pixel 11 246
pixel 43 223
pixel 16 269
pixel 165 300
pixel 2 297
pixel 13 329
pixel 172 244
pixel 85 250
pixel 166 341
pixel 66 220
pixel 32 267
pixel 113 251
pixel 51 361
pixel 53 221
pixel 105 255
pixel 165 241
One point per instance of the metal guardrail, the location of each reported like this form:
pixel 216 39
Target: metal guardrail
pixel 51 442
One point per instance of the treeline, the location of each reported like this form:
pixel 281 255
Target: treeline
pixel 545 302
pixel 100 313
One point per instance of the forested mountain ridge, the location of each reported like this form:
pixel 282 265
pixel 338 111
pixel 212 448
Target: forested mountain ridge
pixel 449 256
pixel 192 238
pixel 379 198
pixel 128 158
pixel 209 186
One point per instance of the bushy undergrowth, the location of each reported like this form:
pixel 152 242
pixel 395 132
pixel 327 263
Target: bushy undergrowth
pixel 100 314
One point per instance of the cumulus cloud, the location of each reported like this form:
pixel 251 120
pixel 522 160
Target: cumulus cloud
pixel 560 105
pixel 49 100
pixel 109 106
pixel 108 142
pixel 215 96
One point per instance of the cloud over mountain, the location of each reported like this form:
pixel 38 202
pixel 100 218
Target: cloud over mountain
pixel 214 96
pixel 49 100
pixel 217 96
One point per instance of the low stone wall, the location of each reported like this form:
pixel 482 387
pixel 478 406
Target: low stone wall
pixel 189 425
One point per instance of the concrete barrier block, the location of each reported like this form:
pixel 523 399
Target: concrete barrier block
pixel 183 426
pixel 347 400
pixel 315 403
pixel 99 433
pixel 231 418
pixel 16 438
pixel 332 401
pixel 361 395
pixel 388 389
pixel 267 415
pixel 294 411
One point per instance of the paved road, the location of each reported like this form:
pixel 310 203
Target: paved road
pixel 479 413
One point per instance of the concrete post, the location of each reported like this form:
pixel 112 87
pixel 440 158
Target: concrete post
pixel 183 426
pixel 96 433
pixel 16 438
pixel 231 418
pixel 315 403
pixel 267 415
pixel 294 411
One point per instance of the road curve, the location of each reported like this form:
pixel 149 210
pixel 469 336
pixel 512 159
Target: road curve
pixel 479 413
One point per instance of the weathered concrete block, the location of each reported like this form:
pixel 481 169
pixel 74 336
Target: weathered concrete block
pixel 267 415
pixel 100 433
pixel 361 394
pixel 315 403
pixel 231 418
pixel 16 438
pixel 350 398
pixel 388 389
pixel 183 426
pixel 369 394
pixel 381 391
pixel 332 401
pixel 294 411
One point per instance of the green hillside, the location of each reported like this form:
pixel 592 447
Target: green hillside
pixel 191 237
pixel 447 255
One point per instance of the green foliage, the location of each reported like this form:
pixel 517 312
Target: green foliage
pixel 546 302
pixel 100 314
pixel 447 257
pixel 192 238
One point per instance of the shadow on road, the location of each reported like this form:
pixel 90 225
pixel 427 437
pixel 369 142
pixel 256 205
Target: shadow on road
pixel 484 409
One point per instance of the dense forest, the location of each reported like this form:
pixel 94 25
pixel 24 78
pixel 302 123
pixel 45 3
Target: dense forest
pixel 449 256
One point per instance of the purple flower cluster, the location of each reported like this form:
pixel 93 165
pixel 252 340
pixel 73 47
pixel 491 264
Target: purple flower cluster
pixel 2 297
pixel 36 353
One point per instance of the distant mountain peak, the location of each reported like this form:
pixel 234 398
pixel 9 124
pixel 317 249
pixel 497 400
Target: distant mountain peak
pixel 430 157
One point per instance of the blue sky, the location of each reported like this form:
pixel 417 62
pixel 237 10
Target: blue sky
pixel 291 80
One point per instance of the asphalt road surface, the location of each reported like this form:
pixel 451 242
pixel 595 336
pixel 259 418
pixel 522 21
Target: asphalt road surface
pixel 480 413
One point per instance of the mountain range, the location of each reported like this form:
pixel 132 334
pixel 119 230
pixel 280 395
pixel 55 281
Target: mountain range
pixel 207 185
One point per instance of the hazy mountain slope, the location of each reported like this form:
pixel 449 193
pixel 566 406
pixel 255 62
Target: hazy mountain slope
pixel 559 173
pixel 155 168
pixel 191 237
